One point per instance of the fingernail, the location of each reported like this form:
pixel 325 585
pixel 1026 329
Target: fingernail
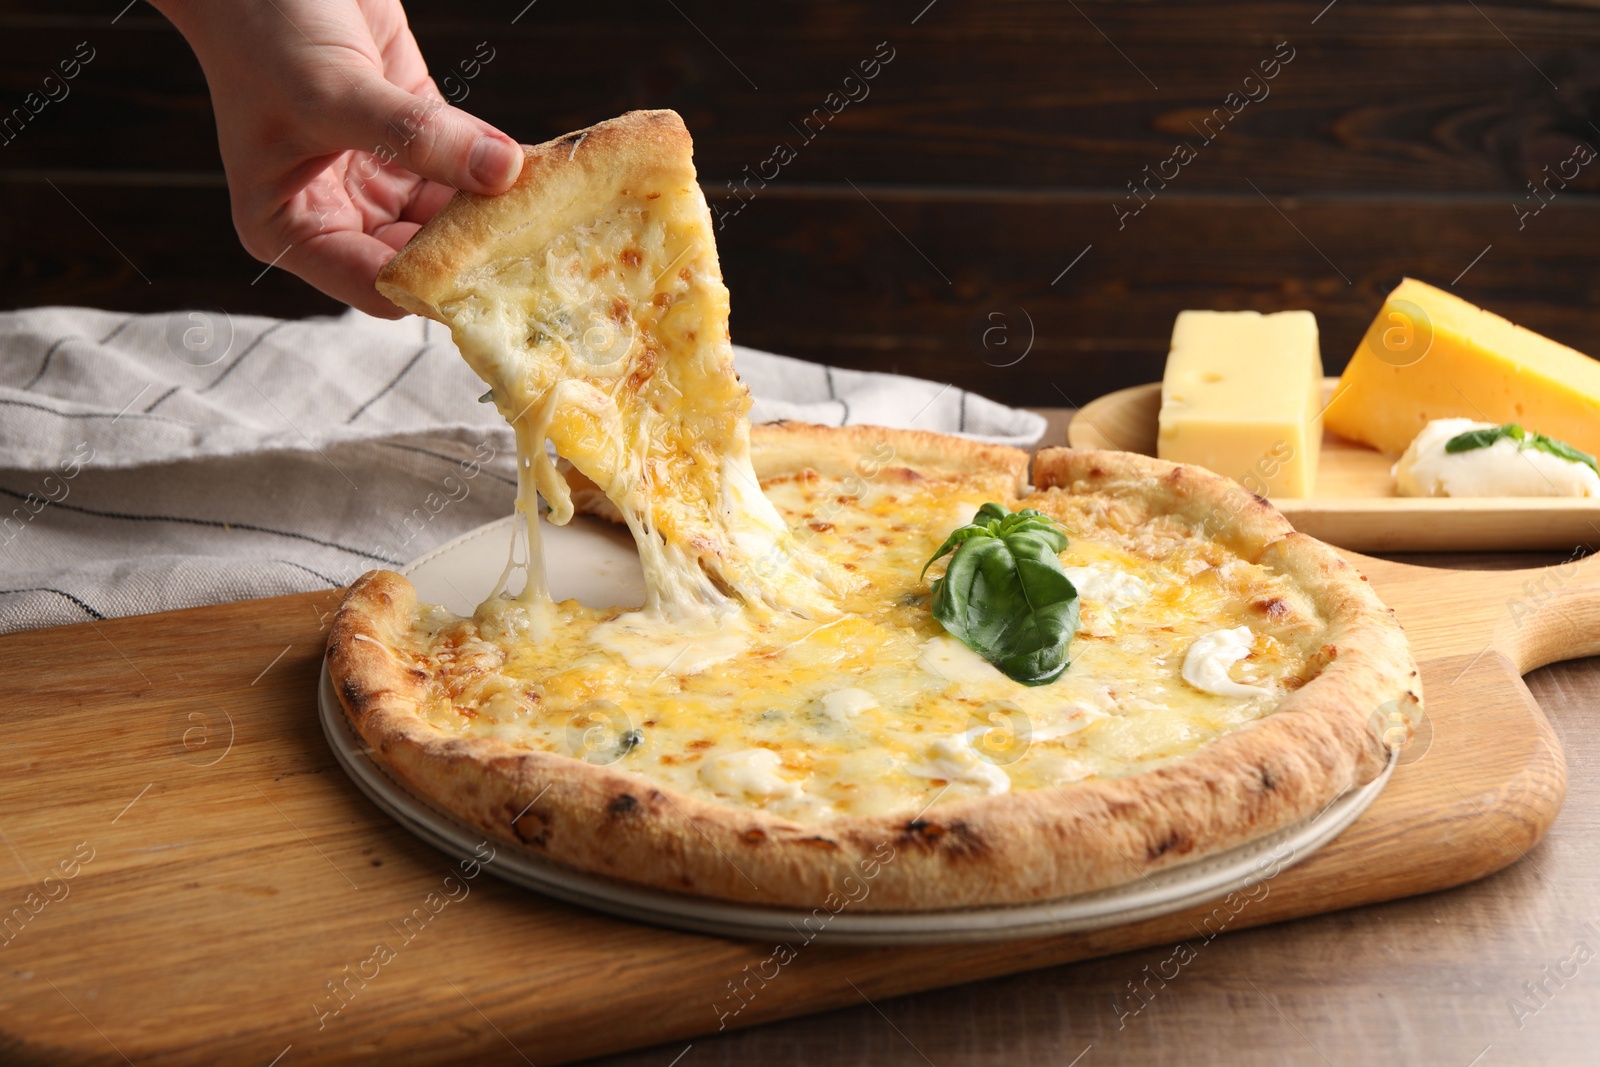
pixel 494 162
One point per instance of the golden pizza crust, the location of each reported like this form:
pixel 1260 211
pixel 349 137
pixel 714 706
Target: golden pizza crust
pixel 1013 848
pixel 560 187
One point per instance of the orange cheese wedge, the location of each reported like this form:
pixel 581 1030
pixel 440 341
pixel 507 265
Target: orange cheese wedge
pixel 1431 355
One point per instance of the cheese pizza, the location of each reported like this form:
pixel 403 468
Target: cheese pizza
pixel 1026 687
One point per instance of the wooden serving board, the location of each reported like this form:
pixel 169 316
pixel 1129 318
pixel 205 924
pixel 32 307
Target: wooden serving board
pixel 187 874
pixel 1354 505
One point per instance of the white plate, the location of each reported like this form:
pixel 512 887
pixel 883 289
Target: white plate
pixel 596 564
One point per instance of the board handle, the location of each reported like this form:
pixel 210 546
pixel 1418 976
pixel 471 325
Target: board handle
pixel 1553 613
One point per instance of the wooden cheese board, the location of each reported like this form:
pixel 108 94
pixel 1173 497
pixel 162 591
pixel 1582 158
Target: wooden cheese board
pixel 233 897
pixel 1354 505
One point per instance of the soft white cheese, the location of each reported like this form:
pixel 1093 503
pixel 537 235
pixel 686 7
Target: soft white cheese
pixel 751 772
pixel 845 704
pixel 953 661
pixel 649 642
pixel 1104 592
pixel 1064 720
pixel 1115 589
pixel 953 759
pixel 1206 665
pixel 1501 469
pixel 1060 770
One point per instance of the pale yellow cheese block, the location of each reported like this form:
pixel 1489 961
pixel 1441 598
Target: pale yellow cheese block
pixel 1431 355
pixel 1241 396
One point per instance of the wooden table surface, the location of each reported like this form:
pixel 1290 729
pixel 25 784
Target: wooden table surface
pixel 1499 972
pixel 1451 979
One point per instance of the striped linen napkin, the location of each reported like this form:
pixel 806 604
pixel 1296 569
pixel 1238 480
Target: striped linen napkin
pixel 150 462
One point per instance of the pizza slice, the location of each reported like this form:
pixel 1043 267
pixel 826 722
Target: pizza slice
pixel 590 299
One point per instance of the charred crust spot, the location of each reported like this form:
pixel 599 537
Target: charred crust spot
pixel 537 825
pixel 754 836
pixel 1269 781
pixel 623 804
pixel 1173 841
pixel 351 693
pixel 1097 472
pixel 652 196
pixel 1274 608
pixel 819 526
pixel 963 842
pixel 419 674
pixel 817 841
pixel 1261 500
pixel 957 839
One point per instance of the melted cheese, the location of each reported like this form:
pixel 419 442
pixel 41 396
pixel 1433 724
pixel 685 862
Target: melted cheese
pixel 850 716
pixel 1103 593
pixel 611 343
pixel 640 638
pixel 842 705
pixel 751 772
pixel 952 759
pixel 947 658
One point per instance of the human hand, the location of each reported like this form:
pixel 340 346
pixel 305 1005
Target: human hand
pixel 336 142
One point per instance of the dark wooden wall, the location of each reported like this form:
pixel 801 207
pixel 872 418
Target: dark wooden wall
pixel 934 218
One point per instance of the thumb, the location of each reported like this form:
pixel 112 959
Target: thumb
pixel 432 139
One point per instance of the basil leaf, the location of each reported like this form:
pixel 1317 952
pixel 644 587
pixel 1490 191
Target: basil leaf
pixel 1466 442
pixel 1562 450
pixel 1030 520
pixel 1005 595
pixel 958 535
pixel 1472 439
pixel 986 522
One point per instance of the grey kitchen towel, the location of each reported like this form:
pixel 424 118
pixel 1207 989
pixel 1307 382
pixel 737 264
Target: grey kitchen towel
pixel 150 462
